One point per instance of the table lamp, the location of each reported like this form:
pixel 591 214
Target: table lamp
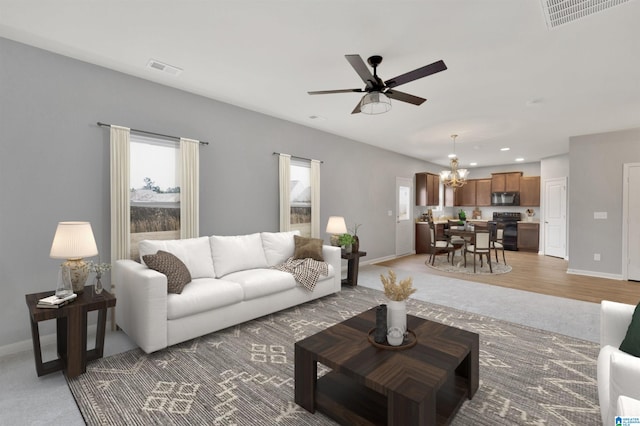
pixel 336 227
pixel 74 241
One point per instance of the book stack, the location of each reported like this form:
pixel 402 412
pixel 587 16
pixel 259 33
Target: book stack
pixel 54 302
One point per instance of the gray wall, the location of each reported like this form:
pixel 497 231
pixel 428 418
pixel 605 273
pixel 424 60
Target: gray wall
pixel 54 165
pixel 596 163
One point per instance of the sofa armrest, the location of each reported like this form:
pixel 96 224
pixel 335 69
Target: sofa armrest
pixel 141 310
pixel 331 255
pixel 624 377
pixel 614 322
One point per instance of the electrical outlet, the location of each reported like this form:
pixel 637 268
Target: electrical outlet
pixel 389 213
pixel 596 257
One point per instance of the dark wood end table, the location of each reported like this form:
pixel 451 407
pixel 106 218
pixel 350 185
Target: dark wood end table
pixel 423 385
pixel 71 330
pixel 353 263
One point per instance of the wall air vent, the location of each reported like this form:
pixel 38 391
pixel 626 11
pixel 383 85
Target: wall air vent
pixel 166 68
pixel 560 12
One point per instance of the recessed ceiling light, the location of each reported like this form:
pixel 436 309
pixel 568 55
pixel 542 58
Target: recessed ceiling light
pixel 519 159
pixel 506 148
pixel 473 164
pixel 451 156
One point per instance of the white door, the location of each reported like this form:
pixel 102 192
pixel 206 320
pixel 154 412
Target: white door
pixel 555 217
pixel 632 220
pixel 404 223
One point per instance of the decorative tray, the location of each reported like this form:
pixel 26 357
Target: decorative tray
pixel 409 341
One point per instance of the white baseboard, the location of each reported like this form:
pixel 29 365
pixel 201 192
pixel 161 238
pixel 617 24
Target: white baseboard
pixel 45 340
pixel 595 274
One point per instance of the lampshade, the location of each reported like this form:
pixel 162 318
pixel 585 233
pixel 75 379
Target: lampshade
pixel 336 225
pixel 73 240
pixel 375 103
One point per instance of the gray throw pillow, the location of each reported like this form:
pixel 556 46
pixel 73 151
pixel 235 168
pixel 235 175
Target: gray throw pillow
pixel 307 247
pixel 168 264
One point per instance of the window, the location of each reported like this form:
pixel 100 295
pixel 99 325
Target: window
pixel 155 190
pixel 300 197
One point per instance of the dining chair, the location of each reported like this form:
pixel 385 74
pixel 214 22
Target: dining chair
pixel 497 240
pixel 438 246
pixel 481 246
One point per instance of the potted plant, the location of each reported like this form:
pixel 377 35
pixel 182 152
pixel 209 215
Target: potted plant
pixel 462 215
pixel 346 241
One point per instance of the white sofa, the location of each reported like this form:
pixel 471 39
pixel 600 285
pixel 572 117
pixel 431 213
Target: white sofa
pixel 232 282
pixel 618 372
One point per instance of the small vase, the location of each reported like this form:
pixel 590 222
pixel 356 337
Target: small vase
pixel 97 284
pixel 355 247
pixel 347 248
pixel 397 314
pixel 381 324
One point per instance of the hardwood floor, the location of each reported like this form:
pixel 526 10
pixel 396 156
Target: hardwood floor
pixel 540 274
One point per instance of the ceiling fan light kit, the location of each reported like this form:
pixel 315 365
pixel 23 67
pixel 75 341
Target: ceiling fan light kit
pixel 377 99
pixel 375 103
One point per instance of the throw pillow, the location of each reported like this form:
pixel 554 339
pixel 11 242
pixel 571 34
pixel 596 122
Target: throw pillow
pixel 166 263
pixel 631 342
pixel 307 247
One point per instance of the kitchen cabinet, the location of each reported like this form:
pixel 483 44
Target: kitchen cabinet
pixel 483 192
pixel 423 237
pixel 466 195
pixel 505 182
pixel 530 191
pixel 528 236
pixel 427 189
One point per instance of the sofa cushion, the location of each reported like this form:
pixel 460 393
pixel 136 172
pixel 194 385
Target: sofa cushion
pixel 278 246
pixel 201 295
pixel 307 247
pixel 166 263
pixel 261 282
pixel 237 253
pixel 195 253
pixel 631 342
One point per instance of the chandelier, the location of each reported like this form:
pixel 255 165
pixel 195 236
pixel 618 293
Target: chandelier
pixel 455 177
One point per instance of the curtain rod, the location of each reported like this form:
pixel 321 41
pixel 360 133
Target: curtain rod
pixel 299 158
pixel 150 133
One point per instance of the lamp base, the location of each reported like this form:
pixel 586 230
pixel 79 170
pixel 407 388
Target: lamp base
pixel 79 273
pixel 335 240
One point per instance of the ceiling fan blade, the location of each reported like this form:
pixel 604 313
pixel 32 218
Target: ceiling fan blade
pixel 361 68
pixel 327 92
pixel 404 97
pixel 416 74
pixel 356 110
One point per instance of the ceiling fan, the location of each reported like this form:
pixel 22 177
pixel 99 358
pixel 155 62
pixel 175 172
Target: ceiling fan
pixel 376 100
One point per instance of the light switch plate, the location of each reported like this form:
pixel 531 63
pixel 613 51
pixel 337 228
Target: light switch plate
pixel 599 215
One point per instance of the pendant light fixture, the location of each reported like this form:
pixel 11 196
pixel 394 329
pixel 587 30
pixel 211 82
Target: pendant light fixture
pixel 455 177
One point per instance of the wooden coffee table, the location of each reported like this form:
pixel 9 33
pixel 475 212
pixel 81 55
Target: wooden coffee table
pixel 422 385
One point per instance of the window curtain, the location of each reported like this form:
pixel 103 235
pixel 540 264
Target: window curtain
pixel 315 199
pixel 120 211
pixel 189 188
pixel 285 192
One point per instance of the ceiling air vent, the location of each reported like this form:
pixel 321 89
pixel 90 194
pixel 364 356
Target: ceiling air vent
pixel 166 68
pixel 560 12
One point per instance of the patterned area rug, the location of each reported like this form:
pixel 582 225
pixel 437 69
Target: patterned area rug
pixel 244 375
pixel 442 264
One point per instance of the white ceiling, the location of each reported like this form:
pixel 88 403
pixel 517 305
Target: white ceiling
pixel 511 81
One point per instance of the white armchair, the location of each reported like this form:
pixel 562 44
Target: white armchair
pixel 618 372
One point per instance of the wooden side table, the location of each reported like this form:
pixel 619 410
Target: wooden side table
pixel 353 262
pixel 71 330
